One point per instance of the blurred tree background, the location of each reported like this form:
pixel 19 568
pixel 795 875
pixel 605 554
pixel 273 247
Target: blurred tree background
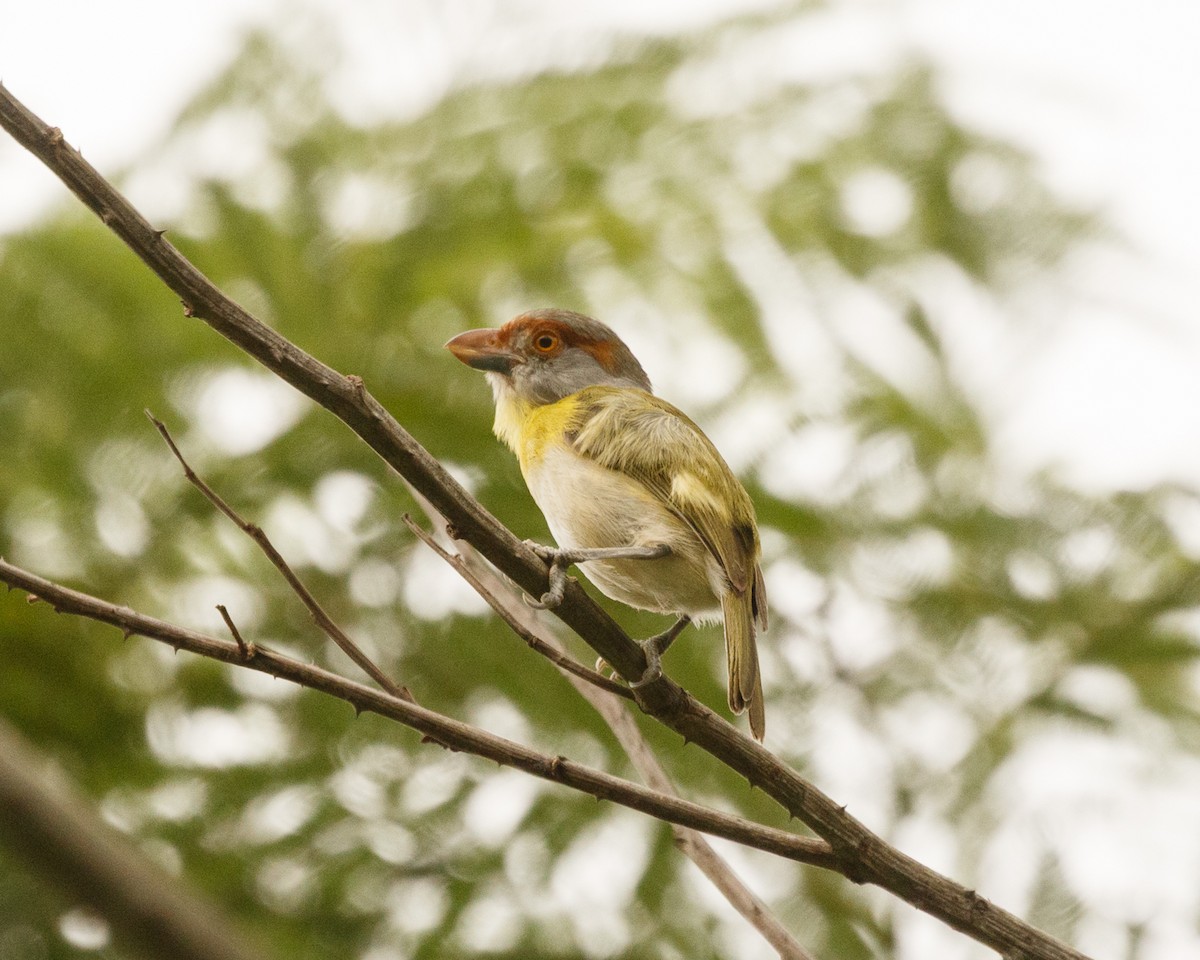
pixel 997 673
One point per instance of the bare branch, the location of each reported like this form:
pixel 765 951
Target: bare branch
pixel 864 856
pixel 152 913
pixel 259 536
pixel 556 656
pixel 444 730
pixel 247 649
pixel 618 718
pixel 694 846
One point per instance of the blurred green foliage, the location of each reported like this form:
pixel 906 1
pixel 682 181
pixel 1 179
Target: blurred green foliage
pixel 932 617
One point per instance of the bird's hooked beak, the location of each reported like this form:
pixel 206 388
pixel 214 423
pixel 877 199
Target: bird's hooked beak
pixel 483 350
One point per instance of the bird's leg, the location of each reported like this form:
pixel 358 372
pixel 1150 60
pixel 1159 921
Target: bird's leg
pixel 654 647
pixel 561 559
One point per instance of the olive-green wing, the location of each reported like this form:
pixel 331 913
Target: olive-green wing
pixel 641 436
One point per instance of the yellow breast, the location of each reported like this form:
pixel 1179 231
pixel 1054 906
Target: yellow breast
pixel 529 431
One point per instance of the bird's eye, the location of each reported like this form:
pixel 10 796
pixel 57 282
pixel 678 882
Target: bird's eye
pixel 545 342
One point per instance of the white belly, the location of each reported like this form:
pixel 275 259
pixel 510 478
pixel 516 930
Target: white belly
pixel 587 505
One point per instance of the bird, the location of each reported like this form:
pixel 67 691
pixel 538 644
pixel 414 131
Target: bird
pixel 630 487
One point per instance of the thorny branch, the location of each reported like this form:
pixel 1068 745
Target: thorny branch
pixel 861 855
pixel 260 538
pixel 452 733
pixel 492 595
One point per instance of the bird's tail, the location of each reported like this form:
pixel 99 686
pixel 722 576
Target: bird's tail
pixel 745 683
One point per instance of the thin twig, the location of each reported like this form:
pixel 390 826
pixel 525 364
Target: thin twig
pixel 452 733
pixel 248 650
pixel 256 533
pixel 617 716
pixel 556 657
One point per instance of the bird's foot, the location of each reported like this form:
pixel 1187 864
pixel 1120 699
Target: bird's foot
pixel 546 552
pixel 561 558
pixel 654 647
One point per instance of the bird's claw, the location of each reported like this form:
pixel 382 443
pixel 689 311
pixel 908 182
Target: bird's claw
pixel 561 558
pixel 547 553
pixel 554 596
pixel 557 577
pixel 653 669
pixel 654 647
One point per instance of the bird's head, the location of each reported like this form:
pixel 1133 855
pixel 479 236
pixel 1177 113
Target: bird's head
pixel 542 356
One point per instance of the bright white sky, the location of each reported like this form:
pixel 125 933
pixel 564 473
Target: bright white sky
pixel 1102 91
